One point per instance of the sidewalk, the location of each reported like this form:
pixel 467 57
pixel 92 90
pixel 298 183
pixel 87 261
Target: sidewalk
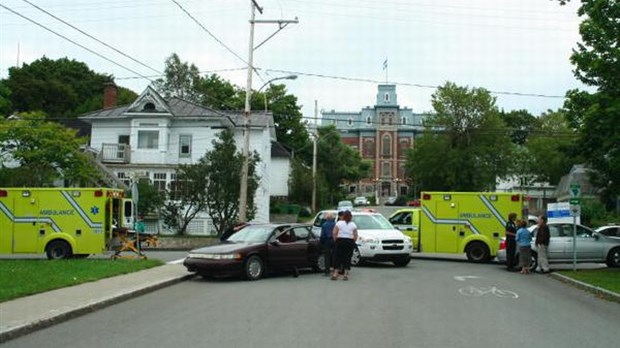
pixel 24 315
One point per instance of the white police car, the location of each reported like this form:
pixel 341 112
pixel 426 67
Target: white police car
pixel 377 240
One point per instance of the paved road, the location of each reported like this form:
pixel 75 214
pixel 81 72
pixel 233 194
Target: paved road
pixel 427 304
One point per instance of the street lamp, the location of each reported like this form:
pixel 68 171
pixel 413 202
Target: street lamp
pixel 289 77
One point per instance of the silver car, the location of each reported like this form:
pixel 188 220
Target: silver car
pixel 611 231
pixel 591 246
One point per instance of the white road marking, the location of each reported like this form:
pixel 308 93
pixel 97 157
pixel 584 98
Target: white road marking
pixel 175 261
pixel 464 278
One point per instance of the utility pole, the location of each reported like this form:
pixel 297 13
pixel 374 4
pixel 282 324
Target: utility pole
pixel 314 151
pixel 243 191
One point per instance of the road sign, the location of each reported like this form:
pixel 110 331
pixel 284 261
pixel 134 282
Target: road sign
pixel 575 210
pixel 574 191
pixel 574 201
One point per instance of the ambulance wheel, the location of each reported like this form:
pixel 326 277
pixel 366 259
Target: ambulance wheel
pixel 477 252
pixel 58 249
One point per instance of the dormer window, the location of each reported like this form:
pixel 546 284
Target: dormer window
pixel 368 121
pixel 350 122
pixel 149 107
pixel 386 97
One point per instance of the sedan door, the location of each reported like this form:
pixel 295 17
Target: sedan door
pixel 558 243
pixel 285 252
pixel 589 247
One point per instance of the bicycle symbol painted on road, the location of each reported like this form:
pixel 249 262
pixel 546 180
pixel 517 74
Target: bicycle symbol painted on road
pixel 478 292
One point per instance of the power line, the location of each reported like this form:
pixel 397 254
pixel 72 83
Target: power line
pixel 419 85
pixel 90 36
pixel 75 43
pixel 208 32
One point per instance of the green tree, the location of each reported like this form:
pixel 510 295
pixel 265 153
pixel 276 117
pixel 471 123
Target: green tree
pixel 338 163
pixel 466 143
pixel 45 151
pixel 550 148
pixel 595 115
pixel 181 80
pixel 291 129
pixel 57 87
pixel 150 200
pixel 208 186
pixel 219 94
pixel 222 190
pixel 187 199
pixel 520 122
pixel 5 100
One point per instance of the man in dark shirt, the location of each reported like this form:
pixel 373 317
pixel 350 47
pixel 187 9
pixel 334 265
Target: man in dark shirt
pixel 327 241
pixel 542 244
pixel 511 244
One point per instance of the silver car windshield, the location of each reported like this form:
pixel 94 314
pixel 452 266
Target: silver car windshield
pixel 372 222
pixel 251 234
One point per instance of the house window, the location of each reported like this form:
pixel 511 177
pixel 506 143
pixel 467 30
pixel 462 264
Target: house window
pixel 149 107
pixel 368 121
pixel 386 145
pixel 350 122
pixel 185 145
pixel 123 139
pixel 148 139
pixel 404 120
pixel 159 181
pixel 124 178
pixel 386 97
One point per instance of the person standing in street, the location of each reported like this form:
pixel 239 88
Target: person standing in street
pixel 327 242
pixel 524 242
pixel 511 245
pixel 345 235
pixel 542 244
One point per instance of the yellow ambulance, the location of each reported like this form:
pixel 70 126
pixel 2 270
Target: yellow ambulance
pixel 459 222
pixel 407 220
pixel 61 222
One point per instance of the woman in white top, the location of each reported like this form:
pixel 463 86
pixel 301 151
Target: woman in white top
pixel 345 235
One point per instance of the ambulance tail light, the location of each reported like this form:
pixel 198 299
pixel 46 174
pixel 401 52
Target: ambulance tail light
pixel 4 193
pixel 515 198
pixel 99 193
pixel 426 197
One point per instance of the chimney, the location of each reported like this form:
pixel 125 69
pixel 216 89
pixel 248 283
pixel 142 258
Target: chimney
pixel 109 95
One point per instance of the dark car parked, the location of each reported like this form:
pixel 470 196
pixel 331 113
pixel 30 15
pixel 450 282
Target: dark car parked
pixel 257 249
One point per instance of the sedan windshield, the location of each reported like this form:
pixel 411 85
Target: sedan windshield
pixel 372 222
pixel 252 234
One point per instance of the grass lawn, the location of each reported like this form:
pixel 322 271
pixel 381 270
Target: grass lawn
pixel 26 277
pixel 606 278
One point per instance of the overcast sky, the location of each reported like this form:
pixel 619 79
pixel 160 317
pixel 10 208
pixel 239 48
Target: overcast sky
pixel 337 49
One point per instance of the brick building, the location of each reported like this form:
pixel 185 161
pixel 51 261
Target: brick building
pixel 381 134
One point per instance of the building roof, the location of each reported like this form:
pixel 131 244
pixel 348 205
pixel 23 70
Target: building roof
pixel 279 150
pixel 153 104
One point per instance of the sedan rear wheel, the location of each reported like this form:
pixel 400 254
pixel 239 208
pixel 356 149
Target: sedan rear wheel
pixel 254 268
pixel 613 258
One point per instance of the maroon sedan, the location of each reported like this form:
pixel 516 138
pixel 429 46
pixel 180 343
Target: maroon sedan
pixel 256 249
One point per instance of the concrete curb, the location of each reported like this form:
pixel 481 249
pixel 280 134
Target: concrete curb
pixel 61 316
pixel 603 293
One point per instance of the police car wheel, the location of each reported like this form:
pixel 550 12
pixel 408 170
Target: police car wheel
pixel 58 249
pixel 356 258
